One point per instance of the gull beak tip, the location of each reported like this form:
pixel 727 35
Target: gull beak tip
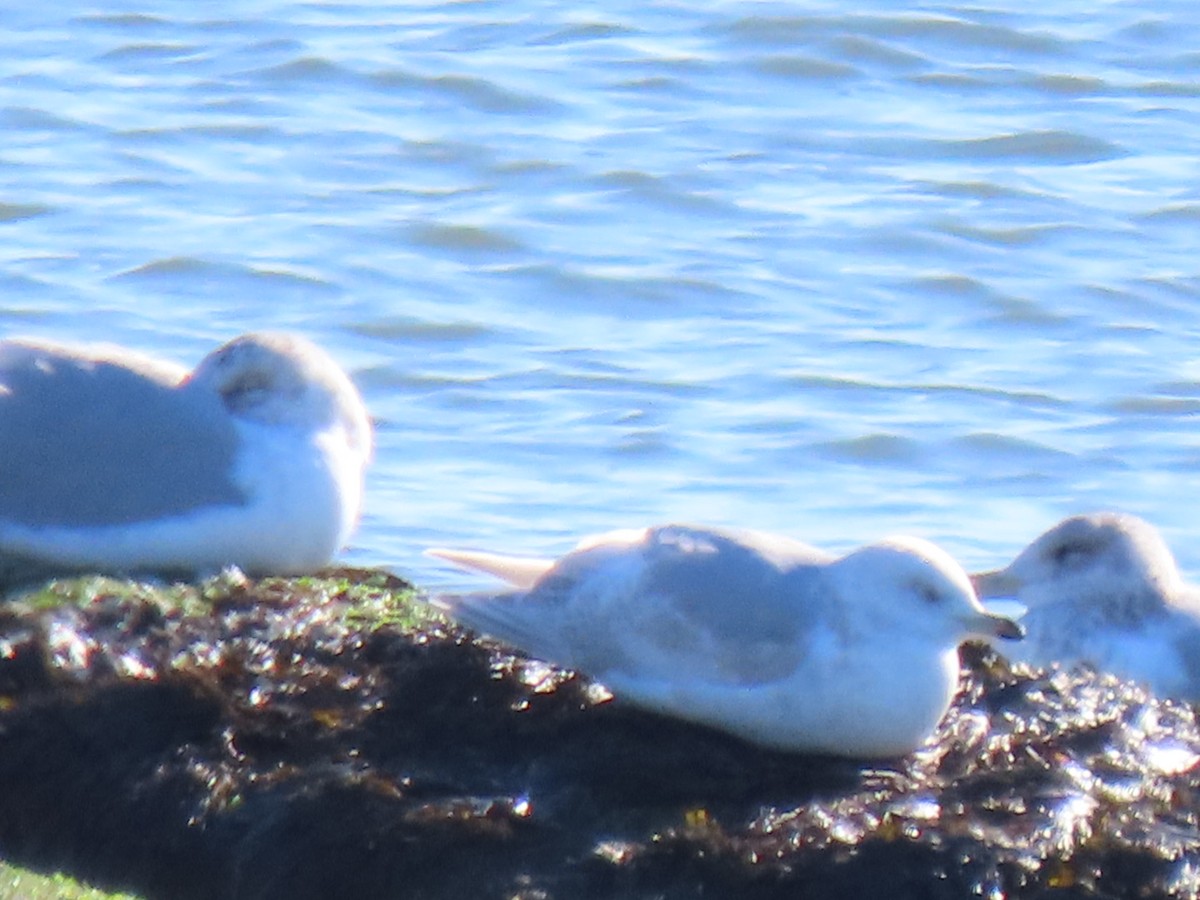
pixel 1008 629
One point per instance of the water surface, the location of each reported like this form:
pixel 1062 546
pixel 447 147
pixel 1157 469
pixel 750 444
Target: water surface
pixel 775 265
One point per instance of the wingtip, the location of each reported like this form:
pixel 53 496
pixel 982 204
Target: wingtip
pixel 518 571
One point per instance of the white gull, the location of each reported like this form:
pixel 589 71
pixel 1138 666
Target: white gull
pixel 1104 590
pixel 755 634
pixel 111 461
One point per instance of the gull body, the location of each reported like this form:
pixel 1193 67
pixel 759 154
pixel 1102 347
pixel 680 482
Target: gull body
pixel 1104 590
pixel 758 635
pixel 111 461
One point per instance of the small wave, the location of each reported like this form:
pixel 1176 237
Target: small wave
pixel 21 118
pixel 1022 311
pixel 992 444
pixel 1022 236
pixel 227 130
pixel 628 292
pixel 664 84
pixel 871 448
pixel 978 190
pixel 845 383
pixel 491 97
pixel 863 49
pixel 293 279
pixel 1167 89
pixel 950 31
pixel 593 382
pixel 1048 146
pixel 951 285
pixel 1156 406
pixel 306 68
pixel 207 270
pixel 805 68
pixel 644 442
pixel 1177 214
pixel 664 193
pixel 164 50
pixel 386 377
pixel 944 30
pixel 175 265
pixel 12 212
pixel 473 239
pixel 123 20
pixel 406 328
pixel 1179 388
pixel 776 29
pixel 1070 85
pixel 951 81
pixel 1175 286
pixel 477 93
pixel 581 32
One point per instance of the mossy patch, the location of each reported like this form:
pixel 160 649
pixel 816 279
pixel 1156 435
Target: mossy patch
pixel 365 598
pixel 22 884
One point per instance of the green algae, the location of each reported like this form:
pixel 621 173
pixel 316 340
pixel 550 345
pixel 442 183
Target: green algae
pixel 22 884
pixel 360 598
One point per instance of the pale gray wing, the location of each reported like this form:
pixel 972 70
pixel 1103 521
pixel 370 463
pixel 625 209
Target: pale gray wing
pixel 508 617
pixel 739 585
pixel 566 615
pixel 92 442
pixel 723 606
pixel 726 607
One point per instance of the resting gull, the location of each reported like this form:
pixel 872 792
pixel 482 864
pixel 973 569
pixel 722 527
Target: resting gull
pixel 1104 590
pixel 757 635
pixel 110 461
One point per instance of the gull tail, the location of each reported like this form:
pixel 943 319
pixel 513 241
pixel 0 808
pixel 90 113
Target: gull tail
pixel 508 618
pixel 519 571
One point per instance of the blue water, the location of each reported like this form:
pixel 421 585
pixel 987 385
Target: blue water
pixel 773 265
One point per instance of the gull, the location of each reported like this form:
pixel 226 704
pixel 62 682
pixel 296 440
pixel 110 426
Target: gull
pixel 1103 590
pixel 115 462
pixel 758 635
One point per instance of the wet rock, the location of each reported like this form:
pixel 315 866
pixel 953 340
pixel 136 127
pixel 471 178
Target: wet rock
pixel 274 739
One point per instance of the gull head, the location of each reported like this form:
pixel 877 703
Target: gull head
pixel 284 379
pixel 1089 557
pixel 911 586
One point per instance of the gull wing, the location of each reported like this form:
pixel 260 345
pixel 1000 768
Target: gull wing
pixel 681 602
pixel 90 441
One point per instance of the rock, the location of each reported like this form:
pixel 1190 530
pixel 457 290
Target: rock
pixel 271 739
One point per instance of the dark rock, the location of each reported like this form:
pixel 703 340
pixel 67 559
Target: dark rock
pixel 266 747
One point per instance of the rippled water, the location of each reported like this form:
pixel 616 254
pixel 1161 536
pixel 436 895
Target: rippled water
pixel 835 275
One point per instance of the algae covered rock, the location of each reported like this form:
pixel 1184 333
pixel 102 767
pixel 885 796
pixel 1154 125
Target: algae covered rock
pixel 327 738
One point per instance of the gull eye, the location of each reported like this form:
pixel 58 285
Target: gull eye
pixel 1069 554
pixel 928 593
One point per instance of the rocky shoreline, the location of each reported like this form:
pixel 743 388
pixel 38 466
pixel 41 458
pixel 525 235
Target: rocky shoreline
pixel 325 738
